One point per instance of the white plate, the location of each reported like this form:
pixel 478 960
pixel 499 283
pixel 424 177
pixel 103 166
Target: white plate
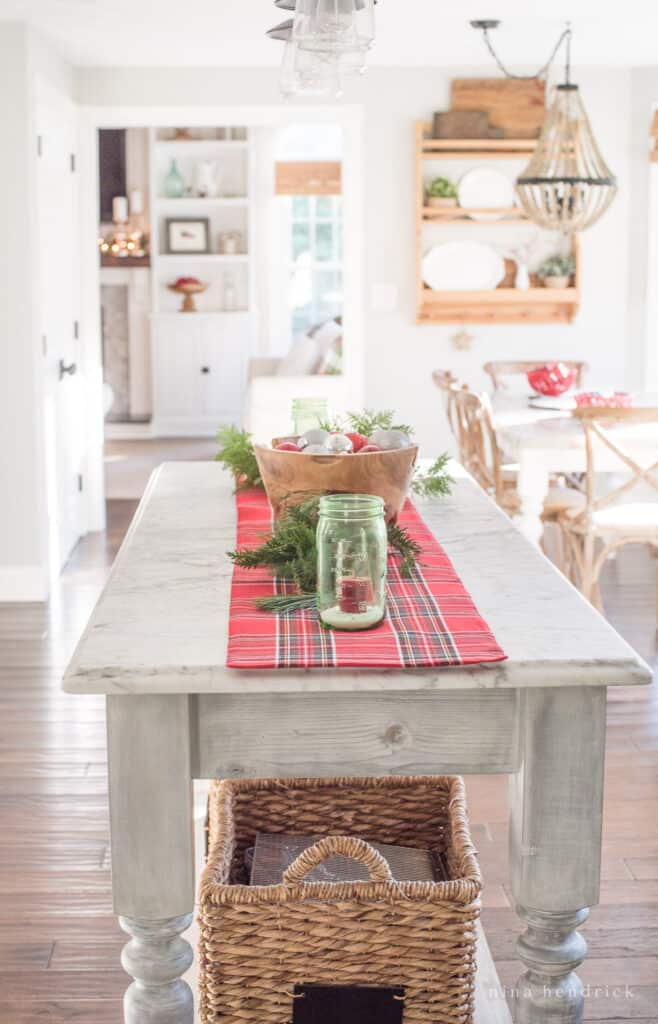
pixel 463 266
pixel 486 188
pixel 561 403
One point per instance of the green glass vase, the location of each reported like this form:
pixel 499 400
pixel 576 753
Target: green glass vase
pixel 174 185
pixel 308 413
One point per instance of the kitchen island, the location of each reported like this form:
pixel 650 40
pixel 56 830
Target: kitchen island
pixel 156 647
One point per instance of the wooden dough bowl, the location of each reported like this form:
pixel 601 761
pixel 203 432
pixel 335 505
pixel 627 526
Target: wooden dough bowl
pixel 292 477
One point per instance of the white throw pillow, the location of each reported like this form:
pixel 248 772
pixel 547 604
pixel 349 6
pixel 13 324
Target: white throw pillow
pixel 301 360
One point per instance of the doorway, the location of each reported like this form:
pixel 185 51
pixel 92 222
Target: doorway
pixel 188 373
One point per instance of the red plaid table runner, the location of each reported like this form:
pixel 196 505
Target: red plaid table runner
pixel 430 620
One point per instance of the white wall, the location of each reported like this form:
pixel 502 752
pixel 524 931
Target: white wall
pixel 643 291
pixel 401 355
pixel 24 59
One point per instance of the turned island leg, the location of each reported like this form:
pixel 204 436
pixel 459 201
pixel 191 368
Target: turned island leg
pixel 555 845
pixel 151 815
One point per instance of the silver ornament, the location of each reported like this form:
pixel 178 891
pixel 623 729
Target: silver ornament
pixel 317 449
pixel 339 443
pixel 314 436
pixel 388 440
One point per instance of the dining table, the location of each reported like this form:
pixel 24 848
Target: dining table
pixel 542 437
pixel 156 645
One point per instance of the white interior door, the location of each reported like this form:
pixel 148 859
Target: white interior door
pixel 60 295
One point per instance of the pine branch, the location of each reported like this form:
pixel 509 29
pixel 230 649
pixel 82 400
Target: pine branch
pixel 434 482
pixel 403 545
pixel 333 425
pixel 368 421
pixel 291 554
pixel 236 453
pixel 282 604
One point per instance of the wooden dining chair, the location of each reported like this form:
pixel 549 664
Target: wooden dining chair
pixel 449 385
pixel 481 455
pixel 610 521
pixel 499 370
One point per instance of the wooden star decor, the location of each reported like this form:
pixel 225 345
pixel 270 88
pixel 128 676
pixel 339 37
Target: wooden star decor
pixel 462 340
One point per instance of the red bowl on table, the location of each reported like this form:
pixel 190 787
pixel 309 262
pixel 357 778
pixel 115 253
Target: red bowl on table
pixel 552 380
pixel 604 400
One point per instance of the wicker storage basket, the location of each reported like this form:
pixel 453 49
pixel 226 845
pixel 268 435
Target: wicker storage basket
pixel 258 942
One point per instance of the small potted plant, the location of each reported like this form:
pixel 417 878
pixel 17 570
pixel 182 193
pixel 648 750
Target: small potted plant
pixel 556 271
pixel 441 192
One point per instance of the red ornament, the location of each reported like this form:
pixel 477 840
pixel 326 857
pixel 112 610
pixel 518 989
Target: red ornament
pixel 287 446
pixel 358 441
pixel 369 448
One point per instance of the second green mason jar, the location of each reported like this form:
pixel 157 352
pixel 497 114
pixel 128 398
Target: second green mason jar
pixel 352 546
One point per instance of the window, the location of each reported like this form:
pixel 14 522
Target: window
pixel 316 260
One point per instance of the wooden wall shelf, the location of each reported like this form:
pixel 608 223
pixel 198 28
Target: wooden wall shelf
pixel 462 149
pixel 480 216
pixel 500 305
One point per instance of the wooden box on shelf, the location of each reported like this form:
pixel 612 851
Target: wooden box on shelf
pixel 537 304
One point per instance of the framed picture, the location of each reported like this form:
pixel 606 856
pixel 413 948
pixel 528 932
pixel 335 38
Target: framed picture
pixel 187 235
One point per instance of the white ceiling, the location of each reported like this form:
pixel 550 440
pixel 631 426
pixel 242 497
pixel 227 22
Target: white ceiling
pixel 409 32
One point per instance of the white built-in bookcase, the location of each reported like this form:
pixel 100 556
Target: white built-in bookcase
pixel 200 359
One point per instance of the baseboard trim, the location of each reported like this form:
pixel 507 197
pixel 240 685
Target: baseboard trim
pixel 128 431
pixel 23 583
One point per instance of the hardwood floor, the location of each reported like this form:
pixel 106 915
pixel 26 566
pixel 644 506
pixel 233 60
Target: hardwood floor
pixel 59 942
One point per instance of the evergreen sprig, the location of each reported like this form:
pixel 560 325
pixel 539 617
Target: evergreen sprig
pixel 236 453
pixel 368 421
pixel 291 554
pixel 435 481
pixel 365 423
pixel 403 545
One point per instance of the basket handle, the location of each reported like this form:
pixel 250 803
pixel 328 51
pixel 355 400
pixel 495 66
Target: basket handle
pixel 330 846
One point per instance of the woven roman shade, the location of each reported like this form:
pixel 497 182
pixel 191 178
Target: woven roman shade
pixel 308 178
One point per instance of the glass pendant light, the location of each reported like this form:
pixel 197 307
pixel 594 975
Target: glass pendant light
pixel 334 26
pixel 567 185
pixel 306 74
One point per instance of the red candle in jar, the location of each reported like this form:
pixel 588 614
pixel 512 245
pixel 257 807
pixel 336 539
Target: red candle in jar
pixel 354 593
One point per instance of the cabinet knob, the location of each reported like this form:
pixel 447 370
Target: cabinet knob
pixel 205 369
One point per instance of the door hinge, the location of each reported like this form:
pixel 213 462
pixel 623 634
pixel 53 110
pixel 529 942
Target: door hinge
pixel 76 329
pixel 39 145
pixel 72 163
pixel 80 482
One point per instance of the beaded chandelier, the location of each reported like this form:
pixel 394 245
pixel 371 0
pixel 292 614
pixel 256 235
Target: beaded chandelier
pixel 567 186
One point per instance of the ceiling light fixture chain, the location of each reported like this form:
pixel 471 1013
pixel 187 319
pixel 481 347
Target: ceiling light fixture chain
pixel 485 25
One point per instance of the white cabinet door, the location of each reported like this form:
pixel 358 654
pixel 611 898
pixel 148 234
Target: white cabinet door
pixel 224 356
pixel 175 352
pixel 200 368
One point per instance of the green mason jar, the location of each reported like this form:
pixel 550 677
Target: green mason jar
pixel 352 546
pixel 308 413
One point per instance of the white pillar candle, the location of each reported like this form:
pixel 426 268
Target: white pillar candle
pixel 120 209
pixel 136 202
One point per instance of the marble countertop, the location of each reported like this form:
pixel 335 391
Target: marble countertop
pixel 160 625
